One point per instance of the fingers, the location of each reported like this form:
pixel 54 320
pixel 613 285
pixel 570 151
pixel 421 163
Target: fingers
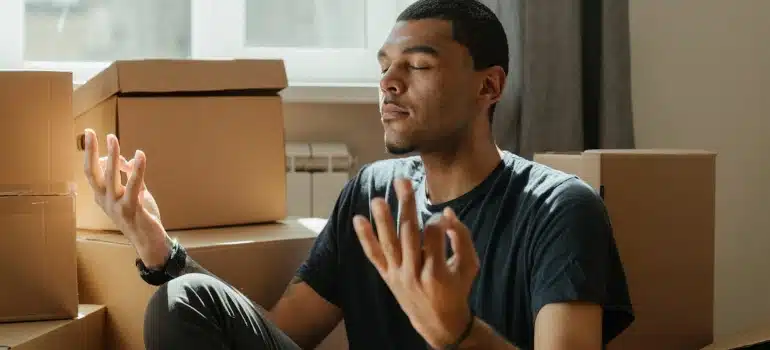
pixel 409 230
pixel 125 166
pixel 369 243
pixel 112 169
pixel 434 245
pixel 386 231
pixel 465 259
pixel 93 171
pixel 135 183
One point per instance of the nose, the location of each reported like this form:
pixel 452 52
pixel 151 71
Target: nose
pixel 391 83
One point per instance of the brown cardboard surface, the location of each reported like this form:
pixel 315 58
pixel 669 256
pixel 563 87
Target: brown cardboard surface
pixel 83 332
pixel 259 260
pixel 38 268
pixel 35 126
pixel 172 76
pixel 37 219
pixel 661 203
pixel 212 132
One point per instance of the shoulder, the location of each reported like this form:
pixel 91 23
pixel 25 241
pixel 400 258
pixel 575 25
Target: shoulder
pixel 549 186
pixel 553 195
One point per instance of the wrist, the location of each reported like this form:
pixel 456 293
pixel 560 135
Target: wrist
pixel 452 331
pixel 155 254
pixel 462 339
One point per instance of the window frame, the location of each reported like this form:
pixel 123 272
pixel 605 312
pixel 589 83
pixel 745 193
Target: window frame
pixel 315 75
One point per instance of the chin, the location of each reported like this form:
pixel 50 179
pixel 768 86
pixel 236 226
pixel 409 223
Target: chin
pixel 398 144
pixel 399 150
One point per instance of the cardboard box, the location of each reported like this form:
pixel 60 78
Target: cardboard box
pixel 38 266
pixel 38 270
pixel 84 332
pixel 212 132
pixel 259 260
pixel 35 127
pixel 756 338
pixel 661 203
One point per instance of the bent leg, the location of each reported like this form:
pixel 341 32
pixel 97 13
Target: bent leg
pixel 197 311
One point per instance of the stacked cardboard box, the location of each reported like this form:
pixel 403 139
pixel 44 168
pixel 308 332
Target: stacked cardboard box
pixel 213 135
pixel 212 132
pixel 259 260
pixel 84 332
pixel 661 204
pixel 38 269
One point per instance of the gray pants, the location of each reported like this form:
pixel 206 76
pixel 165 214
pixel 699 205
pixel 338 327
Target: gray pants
pixel 197 311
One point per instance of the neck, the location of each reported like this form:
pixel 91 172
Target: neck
pixel 451 174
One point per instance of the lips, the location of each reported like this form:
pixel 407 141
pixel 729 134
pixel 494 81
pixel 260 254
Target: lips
pixel 391 111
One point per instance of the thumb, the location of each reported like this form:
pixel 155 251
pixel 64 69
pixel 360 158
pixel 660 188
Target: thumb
pixel 464 258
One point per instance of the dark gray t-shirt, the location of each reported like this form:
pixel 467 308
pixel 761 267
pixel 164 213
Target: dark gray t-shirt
pixel 542 236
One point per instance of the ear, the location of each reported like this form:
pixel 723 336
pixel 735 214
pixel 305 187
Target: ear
pixel 492 84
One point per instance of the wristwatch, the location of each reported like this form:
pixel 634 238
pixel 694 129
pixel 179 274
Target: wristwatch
pixel 171 269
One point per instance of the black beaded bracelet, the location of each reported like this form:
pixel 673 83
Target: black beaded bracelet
pixel 464 335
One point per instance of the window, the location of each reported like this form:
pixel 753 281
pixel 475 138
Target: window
pixel 328 46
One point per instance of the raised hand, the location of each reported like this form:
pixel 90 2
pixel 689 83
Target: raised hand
pixel 131 206
pixel 432 291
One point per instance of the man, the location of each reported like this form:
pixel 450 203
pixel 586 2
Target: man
pixel 530 261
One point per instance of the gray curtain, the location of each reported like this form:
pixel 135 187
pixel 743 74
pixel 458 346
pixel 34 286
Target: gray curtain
pixel 568 88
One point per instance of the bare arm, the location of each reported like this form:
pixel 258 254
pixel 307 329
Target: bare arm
pixel 482 336
pixel 574 326
pixel 305 316
pixel 561 326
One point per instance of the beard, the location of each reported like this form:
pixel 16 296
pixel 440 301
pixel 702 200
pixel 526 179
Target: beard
pixel 399 144
pixel 399 150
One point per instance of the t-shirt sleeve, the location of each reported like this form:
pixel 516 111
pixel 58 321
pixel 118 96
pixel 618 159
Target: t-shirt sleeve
pixel 321 269
pixel 575 257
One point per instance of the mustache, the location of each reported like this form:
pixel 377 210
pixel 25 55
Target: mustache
pixel 391 101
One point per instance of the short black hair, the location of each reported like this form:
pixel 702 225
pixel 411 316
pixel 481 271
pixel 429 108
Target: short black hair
pixel 474 25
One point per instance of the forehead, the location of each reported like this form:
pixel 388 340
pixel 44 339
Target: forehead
pixel 431 32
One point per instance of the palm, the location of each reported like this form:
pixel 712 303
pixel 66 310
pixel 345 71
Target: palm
pixel 147 215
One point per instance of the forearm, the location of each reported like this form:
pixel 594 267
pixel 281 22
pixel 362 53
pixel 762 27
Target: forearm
pixel 482 336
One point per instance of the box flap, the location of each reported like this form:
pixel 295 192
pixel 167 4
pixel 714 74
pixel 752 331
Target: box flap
pixel 170 76
pixel 742 340
pixel 17 333
pixel 220 236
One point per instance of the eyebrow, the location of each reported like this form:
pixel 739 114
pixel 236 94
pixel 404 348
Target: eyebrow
pixel 412 49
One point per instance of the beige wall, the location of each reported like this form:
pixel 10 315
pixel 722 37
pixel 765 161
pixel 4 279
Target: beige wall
pixel 357 125
pixel 701 79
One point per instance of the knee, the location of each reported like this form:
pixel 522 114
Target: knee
pixel 179 292
pixel 175 305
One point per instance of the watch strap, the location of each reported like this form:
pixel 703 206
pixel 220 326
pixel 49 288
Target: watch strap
pixel 171 269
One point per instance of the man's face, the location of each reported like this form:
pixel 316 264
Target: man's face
pixel 428 89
